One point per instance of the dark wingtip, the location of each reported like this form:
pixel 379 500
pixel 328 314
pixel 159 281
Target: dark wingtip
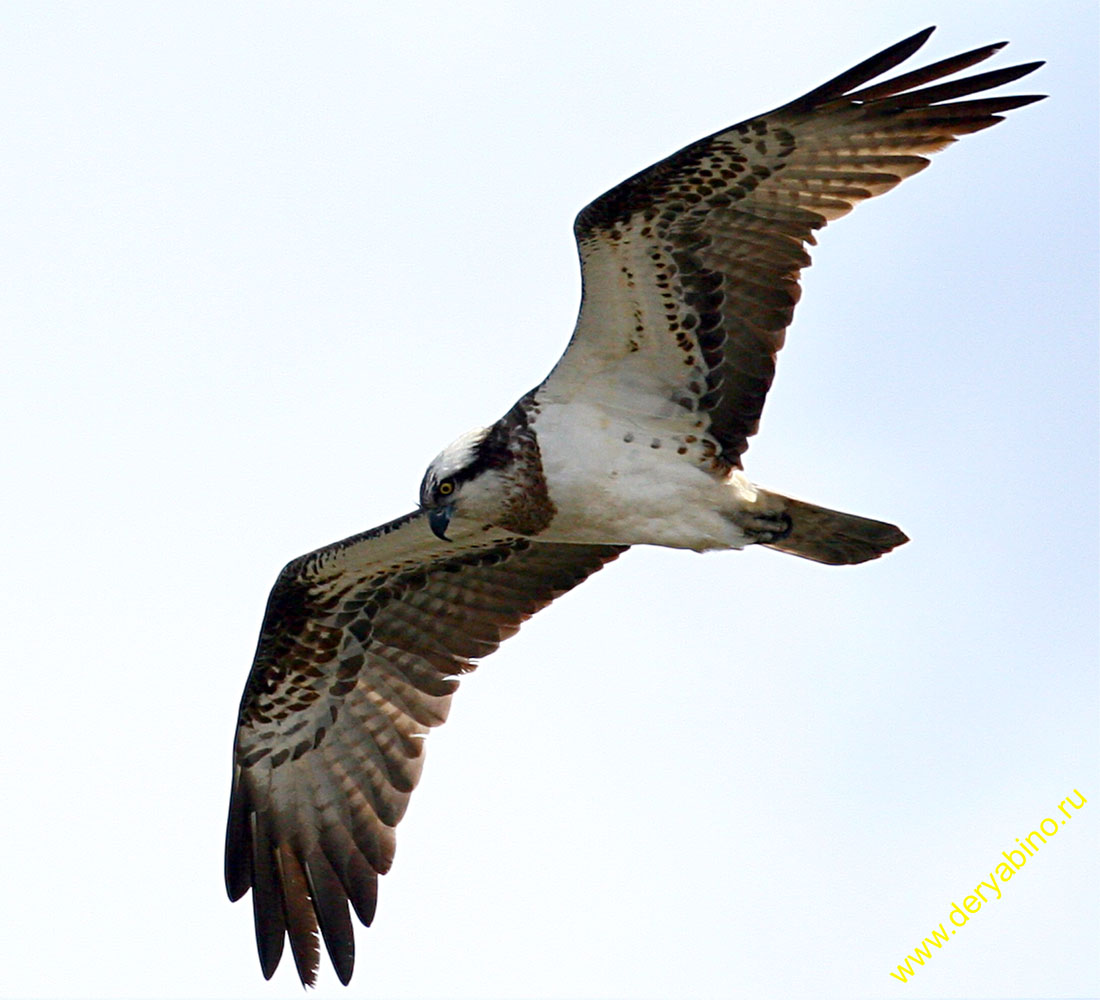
pixel 863 72
pixel 1030 67
pixel 907 46
pixel 238 867
pixel 269 959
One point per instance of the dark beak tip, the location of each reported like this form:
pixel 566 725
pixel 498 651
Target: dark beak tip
pixel 438 519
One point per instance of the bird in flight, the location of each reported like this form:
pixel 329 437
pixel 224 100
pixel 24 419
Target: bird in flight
pixel 690 277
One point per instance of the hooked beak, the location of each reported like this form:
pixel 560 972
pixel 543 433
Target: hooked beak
pixel 439 518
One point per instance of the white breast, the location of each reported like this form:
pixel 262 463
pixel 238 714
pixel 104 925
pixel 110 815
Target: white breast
pixel 617 477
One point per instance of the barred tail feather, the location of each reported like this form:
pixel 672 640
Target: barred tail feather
pixel 829 536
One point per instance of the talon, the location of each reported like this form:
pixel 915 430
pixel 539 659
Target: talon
pixel 786 527
pixel 764 529
pixel 774 527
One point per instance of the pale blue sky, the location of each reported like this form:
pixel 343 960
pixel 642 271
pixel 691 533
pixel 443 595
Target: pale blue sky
pixel 262 261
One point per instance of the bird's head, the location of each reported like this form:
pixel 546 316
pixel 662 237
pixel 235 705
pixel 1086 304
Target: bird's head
pixel 464 478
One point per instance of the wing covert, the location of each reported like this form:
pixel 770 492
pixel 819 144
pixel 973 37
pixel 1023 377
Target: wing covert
pixel 358 656
pixel 691 268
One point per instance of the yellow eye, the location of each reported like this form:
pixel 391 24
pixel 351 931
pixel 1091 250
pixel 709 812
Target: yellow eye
pixel 446 488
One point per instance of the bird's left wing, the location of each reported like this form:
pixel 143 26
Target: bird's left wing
pixel 358 656
pixel 691 267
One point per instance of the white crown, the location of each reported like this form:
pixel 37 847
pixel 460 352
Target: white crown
pixel 457 455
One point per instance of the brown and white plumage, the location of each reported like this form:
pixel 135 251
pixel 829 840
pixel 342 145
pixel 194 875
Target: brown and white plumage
pixel 690 274
pixel 706 247
pixel 357 657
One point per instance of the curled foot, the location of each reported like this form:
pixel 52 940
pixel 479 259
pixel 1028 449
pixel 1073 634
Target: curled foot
pixel 761 527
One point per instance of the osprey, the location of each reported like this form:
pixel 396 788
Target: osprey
pixel 690 277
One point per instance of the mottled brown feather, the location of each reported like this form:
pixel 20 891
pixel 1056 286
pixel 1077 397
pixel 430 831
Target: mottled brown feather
pixel 357 660
pixel 714 237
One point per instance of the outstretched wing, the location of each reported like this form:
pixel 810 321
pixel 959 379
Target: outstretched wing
pixel 690 268
pixel 357 659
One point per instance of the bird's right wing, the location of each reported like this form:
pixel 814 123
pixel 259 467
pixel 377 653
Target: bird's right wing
pixel 691 268
pixel 358 656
